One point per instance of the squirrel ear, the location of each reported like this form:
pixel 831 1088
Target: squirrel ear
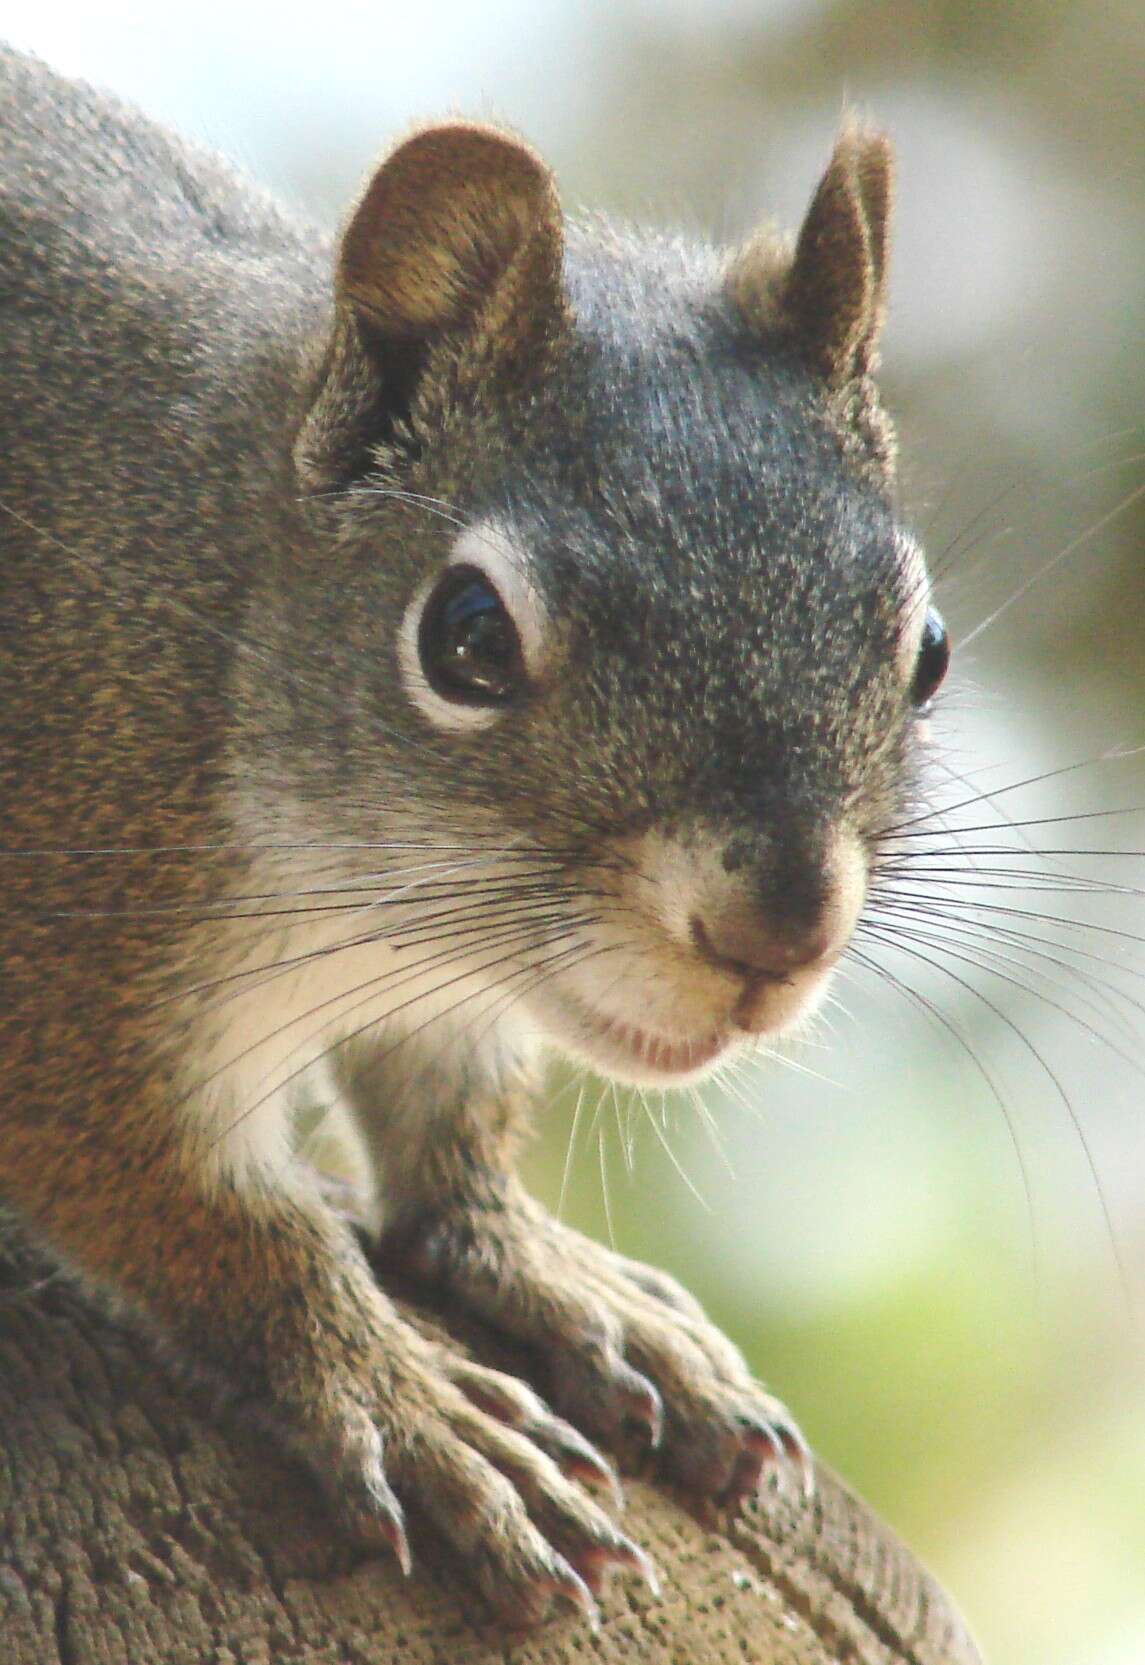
pixel 455 248
pixel 831 294
pixel 835 291
pixel 456 214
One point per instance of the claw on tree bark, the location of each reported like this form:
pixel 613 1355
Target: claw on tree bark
pixel 136 1524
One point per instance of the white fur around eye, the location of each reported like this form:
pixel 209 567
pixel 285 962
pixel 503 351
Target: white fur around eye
pixel 916 589
pixel 486 547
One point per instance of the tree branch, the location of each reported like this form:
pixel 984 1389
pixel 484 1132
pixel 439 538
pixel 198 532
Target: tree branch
pixel 136 1529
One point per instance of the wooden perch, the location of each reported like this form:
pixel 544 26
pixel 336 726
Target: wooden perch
pixel 137 1530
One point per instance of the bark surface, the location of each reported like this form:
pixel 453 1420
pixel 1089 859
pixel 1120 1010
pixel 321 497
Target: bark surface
pixel 137 1528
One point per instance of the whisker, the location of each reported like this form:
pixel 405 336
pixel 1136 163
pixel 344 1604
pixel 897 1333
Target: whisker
pixel 1023 1039
pixel 988 960
pixel 1047 567
pixel 397 977
pixel 570 1149
pixel 254 977
pixel 914 997
pixel 708 1125
pixel 1116 754
pixel 666 1146
pixel 1002 910
pixel 360 1029
pixel 605 1192
pixel 369 897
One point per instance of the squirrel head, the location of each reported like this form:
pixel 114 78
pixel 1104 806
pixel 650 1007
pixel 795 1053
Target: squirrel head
pixel 614 577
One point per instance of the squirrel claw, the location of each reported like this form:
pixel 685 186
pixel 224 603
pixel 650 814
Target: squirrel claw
pixel 571 1587
pixel 517 1406
pixel 523 1606
pixel 581 1462
pixel 640 1403
pixel 374 1514
pixel 747 1472
pixel 395 1532
pixel 768 1451
pixel 611 1396
pixel 798 1452
pixel 594 1564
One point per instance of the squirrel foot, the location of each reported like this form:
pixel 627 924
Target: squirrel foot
pixel 624 1343
pixel 493 1469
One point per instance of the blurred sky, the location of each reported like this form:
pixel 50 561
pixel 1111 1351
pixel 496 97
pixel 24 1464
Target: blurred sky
pixel 912 1224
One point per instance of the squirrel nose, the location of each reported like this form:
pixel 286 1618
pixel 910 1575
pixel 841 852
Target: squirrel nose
pixel 759 954
pixel 742 942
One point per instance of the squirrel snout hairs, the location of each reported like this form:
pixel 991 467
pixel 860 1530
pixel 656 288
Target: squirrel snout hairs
pixel 489 636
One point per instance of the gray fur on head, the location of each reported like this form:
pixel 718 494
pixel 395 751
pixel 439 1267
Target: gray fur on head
pixel 688 454
pixel 241 459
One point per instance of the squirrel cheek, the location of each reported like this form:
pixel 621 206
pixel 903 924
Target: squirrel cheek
pixel 849 871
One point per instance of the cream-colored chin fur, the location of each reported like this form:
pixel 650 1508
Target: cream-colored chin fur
pixel 644 1055
pixel 640 1054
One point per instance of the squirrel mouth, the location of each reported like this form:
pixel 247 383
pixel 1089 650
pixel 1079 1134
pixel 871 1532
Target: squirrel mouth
pixel 647 1050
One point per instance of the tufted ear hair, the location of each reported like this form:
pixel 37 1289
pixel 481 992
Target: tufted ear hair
pixel 452 255
pixel 831 294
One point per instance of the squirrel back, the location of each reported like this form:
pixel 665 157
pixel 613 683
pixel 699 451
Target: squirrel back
pixel 138 276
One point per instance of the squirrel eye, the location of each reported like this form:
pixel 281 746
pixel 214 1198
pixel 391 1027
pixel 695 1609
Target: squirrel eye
pixel 468 645
pixel 933 659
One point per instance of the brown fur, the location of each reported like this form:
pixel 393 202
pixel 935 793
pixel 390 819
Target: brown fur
pixel 230 461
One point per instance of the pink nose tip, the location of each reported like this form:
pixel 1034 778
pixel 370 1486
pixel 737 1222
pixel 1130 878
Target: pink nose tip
pixel 743 943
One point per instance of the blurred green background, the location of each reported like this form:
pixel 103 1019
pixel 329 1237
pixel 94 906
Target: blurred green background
pixel 911 1224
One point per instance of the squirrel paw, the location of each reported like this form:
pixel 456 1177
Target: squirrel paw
pixel 484 1459
pixel 624 1344
pixel 509 1401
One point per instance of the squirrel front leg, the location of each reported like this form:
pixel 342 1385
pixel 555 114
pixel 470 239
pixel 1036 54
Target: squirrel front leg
pixel 621 1343
pixel 263 1286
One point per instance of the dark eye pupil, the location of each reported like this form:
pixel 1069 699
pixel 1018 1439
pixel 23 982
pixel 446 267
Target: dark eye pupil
pixel 468 644
pixel 933 659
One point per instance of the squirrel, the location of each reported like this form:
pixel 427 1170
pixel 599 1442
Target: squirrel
pixel 490 634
